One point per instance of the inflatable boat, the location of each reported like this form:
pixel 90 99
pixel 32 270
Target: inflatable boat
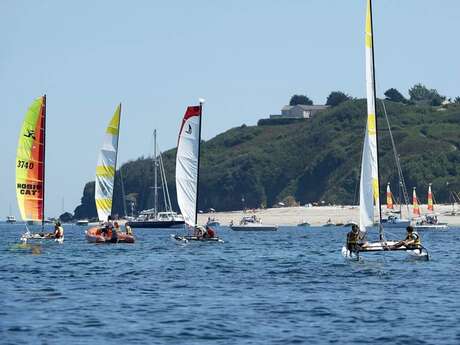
pixel 95 235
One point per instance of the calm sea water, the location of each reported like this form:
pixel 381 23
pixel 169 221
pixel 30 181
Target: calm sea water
pixel 288 287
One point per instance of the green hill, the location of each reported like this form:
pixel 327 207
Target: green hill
pixel 312 160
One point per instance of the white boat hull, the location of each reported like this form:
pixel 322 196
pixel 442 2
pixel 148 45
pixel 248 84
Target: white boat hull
pixel 431 227
pixel 187 239
pixel 418 253
pixel 254 227
pixel 33 237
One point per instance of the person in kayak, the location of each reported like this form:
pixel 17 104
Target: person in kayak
pixel 412 239
pixel 355 239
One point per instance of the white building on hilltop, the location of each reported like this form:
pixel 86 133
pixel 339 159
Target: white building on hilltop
pixel 299 111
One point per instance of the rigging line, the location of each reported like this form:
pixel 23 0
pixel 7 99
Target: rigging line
pixel 397 160
pixel 162 167
pixel 123 193
pixel 163 186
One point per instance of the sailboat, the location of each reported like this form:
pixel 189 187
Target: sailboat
pixel 152 218
pixel 393 220
pixel 30 171
pixel 370 180
pixel 428 221
pixel 105 182
pixel 188 176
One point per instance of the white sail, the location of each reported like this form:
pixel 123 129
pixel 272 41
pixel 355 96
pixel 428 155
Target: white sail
pixel 187 162
pixel 369 185
pixel 106 167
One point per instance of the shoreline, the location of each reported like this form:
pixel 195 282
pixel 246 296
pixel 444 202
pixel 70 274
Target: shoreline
pixel 319 215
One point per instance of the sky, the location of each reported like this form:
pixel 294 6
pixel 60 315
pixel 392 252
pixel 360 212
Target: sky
pixel 245 58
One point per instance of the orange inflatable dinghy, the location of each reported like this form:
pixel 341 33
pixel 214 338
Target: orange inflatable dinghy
pixel 95 235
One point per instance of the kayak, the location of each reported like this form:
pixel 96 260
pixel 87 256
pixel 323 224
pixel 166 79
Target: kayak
pixel 95 235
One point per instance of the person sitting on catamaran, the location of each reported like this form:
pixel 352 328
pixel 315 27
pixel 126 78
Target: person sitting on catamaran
pixel 58 230
pixel 412 239
pixel 355 239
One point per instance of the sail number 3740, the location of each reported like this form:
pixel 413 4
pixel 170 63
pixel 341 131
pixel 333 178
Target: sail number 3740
pixel 25 164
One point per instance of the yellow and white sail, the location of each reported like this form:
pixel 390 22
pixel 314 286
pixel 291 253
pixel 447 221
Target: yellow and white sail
pixel 369 185
pixel 106 167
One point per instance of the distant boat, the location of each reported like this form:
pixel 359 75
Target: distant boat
pixel 11 219
pixel 369 198
pixel 30 171
pixel 188 176
pixel 430 220
pixel 105 181
pixel 252 223
pixel 303 224
pixel 82 222
pixel 151 218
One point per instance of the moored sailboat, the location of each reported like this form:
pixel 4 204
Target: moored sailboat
pixel 30 172
pixel 188 176
pixel 370 179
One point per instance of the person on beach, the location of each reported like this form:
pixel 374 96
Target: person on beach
pixel 412 239
pixel 355 239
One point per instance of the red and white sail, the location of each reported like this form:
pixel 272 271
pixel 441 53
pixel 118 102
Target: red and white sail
pixel 187 164
pixel 430 199
pixel 415 205
pixel 389 197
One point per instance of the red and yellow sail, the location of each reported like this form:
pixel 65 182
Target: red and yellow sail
pixel 415 206
pixel 430 199
pixel 389 197
pixel 30 162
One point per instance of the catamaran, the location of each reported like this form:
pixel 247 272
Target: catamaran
pixel 370 181
pixel 30 171
pixel 105 182
pixel 394 219
pixel 427 221
pixel 188 176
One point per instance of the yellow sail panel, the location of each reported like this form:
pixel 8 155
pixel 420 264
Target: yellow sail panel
pixel 30 160
pixel 369 185
pixel 106 167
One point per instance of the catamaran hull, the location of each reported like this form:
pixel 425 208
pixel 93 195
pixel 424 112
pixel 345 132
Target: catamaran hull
pixel 431 227
pixel 34 237
pixel 186 239
pixel 156 224
pixel 418 253
pixel 254 227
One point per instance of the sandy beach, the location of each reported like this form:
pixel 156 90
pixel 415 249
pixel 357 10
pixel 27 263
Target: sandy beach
pixel 319 215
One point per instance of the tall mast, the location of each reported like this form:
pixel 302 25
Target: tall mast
pixel 155 165
pixel 198 169
pixel 116 158
pixel 43 165
pixel 376 127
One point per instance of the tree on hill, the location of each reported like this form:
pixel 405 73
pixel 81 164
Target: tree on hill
pixel 394 95
pixel 336 97
pixel 457 100
pixel 300 99
pixel 421 94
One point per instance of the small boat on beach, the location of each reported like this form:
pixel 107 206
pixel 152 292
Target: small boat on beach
pixel 252 223
pixel 430 220
pixel 188 177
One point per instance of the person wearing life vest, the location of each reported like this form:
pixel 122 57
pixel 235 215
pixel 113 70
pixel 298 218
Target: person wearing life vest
pixel 209 233
pixel 412 239
pixel 58 230
pixel 354 239
pixel 128 230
